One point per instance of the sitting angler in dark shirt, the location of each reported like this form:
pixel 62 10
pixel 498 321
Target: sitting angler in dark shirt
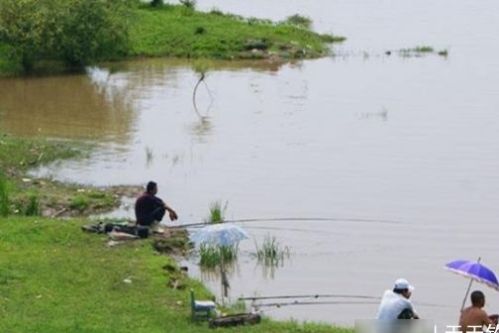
pixel 150 209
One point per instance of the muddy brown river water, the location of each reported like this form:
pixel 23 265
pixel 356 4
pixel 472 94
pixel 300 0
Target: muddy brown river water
pixel 403 152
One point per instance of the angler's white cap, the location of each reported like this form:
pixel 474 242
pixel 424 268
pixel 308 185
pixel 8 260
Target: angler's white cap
pixel 403 284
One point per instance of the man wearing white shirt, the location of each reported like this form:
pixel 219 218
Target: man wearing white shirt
pixel 395 303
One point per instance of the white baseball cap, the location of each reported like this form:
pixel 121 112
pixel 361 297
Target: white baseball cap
pixel 403 284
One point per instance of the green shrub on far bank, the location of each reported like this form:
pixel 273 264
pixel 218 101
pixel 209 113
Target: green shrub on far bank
pixel 55 35
pixel 75 32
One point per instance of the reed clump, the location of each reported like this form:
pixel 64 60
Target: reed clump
pixel 271 252
pixel 217 212
pixel 214 255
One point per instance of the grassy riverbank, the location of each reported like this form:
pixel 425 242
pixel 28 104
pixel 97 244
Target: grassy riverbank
pixel 179 31
pixel 145 31
pixel 55 278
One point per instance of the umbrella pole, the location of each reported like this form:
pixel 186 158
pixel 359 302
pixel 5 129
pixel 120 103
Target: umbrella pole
pixel 469 288
pixel 466 295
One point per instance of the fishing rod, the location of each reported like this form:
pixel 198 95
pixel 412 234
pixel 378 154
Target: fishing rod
pixel 316 296
pixel 287 219
pixel 295 303
pixel 255 298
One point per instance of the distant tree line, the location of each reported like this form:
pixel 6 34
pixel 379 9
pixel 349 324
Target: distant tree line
pixel 75 32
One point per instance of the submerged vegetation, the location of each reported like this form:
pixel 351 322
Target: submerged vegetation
pixel 36 35
pixel 423 49
pixel 419 51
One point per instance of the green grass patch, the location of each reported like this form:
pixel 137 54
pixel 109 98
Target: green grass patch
pixel 79 202
pixel 178 31
pixel 19 154
pixel 55 278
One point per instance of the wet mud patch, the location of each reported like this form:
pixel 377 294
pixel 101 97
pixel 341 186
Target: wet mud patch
pixel 172 242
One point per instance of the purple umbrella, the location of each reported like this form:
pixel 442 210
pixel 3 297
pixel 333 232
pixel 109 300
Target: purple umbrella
pixel 475 271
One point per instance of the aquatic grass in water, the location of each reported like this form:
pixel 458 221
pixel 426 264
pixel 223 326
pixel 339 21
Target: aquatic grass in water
pixel 271 253
pixel 443 53
pixel 149 155
pixel 419 51
pixel 212 255
pixel 217 212
pixel 423 49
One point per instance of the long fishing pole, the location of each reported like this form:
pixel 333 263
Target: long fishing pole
pixel 281 304
pixel 287 219
pixel 307 296
pixel 316 296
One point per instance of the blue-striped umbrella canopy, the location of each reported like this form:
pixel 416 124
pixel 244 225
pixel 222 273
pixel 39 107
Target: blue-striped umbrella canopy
pixel 475 271
pixel 221 234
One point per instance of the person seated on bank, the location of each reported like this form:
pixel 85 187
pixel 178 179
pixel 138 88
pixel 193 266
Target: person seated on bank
pixel 474 316
pixel 395 303
pixel 150 209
